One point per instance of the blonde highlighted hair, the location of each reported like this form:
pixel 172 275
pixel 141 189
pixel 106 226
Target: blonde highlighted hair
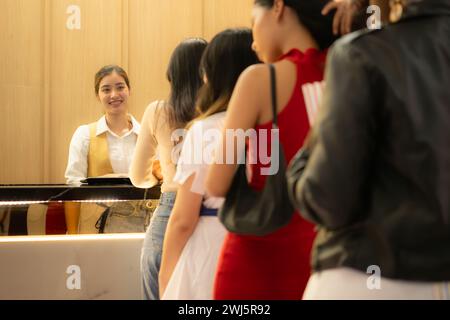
pixel 227 55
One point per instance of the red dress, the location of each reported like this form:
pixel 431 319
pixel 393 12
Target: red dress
pixel 276 266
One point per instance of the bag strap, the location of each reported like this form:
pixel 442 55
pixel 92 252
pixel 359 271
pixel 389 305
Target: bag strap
pixel 101 222
pixel 273 90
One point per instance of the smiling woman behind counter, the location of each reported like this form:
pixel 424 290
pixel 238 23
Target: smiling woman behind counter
pixel 104 147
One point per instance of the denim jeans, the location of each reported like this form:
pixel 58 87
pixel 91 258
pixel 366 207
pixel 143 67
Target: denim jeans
pixel 152 248
pixel 128 217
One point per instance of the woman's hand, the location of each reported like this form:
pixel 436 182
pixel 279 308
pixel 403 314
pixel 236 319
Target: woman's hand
pixel 345 13
pixel 156 170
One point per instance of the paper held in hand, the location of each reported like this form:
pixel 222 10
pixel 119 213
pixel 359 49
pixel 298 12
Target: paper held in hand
pixel 313 93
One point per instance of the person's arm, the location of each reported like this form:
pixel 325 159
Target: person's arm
pixel 156 171
pixel 332 177
pixel 141 174
pixel 76 171
pixel 182 223
pixel 242 114
pixel 77 164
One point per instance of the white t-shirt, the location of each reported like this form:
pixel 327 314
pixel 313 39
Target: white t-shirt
pixel 198 153
pixel 121 150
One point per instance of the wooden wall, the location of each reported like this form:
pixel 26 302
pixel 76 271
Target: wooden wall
pixel 21 109
pixel 47 67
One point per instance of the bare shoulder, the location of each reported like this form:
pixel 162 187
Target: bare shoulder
pixel 257 76
pixel 251 83
pixel 256 81
pixel 254 74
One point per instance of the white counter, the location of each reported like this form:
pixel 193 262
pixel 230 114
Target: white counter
pixel 51 267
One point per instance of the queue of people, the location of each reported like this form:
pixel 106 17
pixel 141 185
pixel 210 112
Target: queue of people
pixel 364 126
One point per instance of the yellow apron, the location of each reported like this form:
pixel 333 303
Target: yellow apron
pixel 129 216
pixel 98 155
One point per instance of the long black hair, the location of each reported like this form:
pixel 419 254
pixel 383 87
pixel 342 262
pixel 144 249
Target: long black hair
pixel 309 13
pixel 226 57
pixel 185 81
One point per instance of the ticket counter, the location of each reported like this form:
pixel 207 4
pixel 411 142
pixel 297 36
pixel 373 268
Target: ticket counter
pixel 37 265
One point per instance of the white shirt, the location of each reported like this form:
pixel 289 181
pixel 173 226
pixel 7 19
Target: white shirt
pixel 121 150
pixel 197 153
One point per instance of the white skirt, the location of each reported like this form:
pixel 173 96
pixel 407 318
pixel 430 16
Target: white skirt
pixel 193 276
pixel 350 284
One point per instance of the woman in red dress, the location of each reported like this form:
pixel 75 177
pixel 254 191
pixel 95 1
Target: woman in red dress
pixel 292 35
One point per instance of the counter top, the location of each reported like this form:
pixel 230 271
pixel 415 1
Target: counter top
pixel 48 193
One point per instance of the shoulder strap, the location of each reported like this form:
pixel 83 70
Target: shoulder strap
pixel 273 90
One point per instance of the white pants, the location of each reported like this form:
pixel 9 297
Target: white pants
pixel 350 284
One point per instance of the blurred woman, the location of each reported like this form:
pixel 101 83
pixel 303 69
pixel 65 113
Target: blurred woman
pixel 375 176
pixel 160 121
pixel 292 35
pixel 194 234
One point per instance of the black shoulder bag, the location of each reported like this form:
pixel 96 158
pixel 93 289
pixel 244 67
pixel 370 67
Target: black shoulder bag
pixel 250 212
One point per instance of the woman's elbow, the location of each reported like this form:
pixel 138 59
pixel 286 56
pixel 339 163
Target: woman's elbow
pixel 215 189
pixel 142 180
pixel 136 180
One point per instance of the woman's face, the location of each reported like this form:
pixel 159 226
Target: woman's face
pixel 113 94
pixel 264 35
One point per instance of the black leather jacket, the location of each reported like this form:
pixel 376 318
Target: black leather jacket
pixel 377 182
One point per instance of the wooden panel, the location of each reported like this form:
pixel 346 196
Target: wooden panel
pixel 223 14
pixel 155 29
pixel 47 71
pixel 21 135
pixel 75 57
